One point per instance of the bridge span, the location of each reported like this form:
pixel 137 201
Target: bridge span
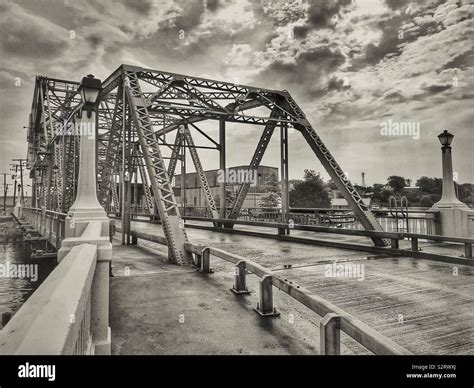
pixel 219 285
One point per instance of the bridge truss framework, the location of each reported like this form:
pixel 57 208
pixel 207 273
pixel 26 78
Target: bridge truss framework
pixel 138 109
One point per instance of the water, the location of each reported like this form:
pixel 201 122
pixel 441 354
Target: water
pixel 14 291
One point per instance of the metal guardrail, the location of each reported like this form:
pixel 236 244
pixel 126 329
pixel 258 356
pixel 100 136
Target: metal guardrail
pixel 394 237
pixel 418 221
pixel 334 319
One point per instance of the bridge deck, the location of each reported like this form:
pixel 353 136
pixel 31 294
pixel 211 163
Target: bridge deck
pixel 419 304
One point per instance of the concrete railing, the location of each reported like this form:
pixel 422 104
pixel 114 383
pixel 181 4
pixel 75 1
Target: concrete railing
pixel 334 319
pixel 69 312
pixel 48 223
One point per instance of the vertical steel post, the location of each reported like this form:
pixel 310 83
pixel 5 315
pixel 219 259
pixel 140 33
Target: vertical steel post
pixel 330 335
pixel 183 170
pixel 124 172
pixel 240 286
pixel 285 207
pixel 222 167
pixel 265 307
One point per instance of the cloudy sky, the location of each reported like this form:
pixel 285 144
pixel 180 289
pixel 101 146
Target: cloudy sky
pixel 351 65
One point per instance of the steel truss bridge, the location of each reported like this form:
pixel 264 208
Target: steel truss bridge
pixel 139 110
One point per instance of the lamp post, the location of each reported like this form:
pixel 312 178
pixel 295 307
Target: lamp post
pixel 448 198
pixel 86 206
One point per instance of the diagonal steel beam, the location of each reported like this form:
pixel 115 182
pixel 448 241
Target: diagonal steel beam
pixel 255 162
pixel 173 225
pixel 202 175
pixel 350 194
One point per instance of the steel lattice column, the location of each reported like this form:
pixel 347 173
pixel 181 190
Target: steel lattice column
pixel 172 222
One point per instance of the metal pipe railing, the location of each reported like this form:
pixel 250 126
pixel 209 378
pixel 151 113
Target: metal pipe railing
pixel 356 329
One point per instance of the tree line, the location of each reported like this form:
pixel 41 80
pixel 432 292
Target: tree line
pixel 313 191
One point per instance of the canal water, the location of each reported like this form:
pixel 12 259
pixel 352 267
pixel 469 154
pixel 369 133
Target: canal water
pixel 20 275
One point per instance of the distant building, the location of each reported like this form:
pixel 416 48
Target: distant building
pixel 341 203
pixel 195 196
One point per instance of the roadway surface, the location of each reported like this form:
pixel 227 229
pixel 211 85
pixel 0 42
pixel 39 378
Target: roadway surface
pixel 158 308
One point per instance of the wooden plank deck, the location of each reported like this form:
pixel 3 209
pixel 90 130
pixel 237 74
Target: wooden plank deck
pixel 425 306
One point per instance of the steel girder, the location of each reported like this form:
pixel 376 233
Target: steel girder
pixel 173 225
pixel 109 165
pixel 350 194
pixel 174 155
pixel 202 175
pixel 254 163
pixel 145 183
pixel 166 102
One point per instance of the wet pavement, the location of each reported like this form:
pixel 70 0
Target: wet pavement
pixel 425 306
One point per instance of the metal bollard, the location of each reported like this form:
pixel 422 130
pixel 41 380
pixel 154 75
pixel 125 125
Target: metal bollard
pixel 240 286
pixel 265 306
pixel 330 335
pixel 111 230
pixel 414 244
pixel 394 243
pixel 205 266
pixel 468 250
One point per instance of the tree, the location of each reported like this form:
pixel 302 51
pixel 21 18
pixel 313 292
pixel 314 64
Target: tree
pixel 230 196
pixel 381 194
pixel 465 193
pixel 271 192
pixel 430 185
pixel 397 183
pixel 426 201
pixel 310 192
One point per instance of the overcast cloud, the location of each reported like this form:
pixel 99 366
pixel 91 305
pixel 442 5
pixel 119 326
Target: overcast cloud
pixel 351 65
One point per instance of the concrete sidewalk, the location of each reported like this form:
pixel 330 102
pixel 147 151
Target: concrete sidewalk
pixel 160 308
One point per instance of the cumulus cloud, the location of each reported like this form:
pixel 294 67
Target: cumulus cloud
pixel 349 64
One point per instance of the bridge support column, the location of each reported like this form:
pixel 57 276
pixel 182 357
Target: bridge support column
pixel 330 335
pixel 265 307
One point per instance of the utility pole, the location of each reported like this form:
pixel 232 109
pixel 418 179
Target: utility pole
pixel 21 161
pixel 5 191
pixel 15 179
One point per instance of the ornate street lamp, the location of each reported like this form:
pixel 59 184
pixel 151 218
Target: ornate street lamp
pixel 89 90
pixel 86 206
pixel 448 199
pixel 445 138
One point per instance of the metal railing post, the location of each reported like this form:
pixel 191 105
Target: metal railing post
pixel 240 286
pixel 265 307
pixel 414 244
pixel 58 231
pixel 468 250
pixel 394 243
pixel 330 335
pixel 205 261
